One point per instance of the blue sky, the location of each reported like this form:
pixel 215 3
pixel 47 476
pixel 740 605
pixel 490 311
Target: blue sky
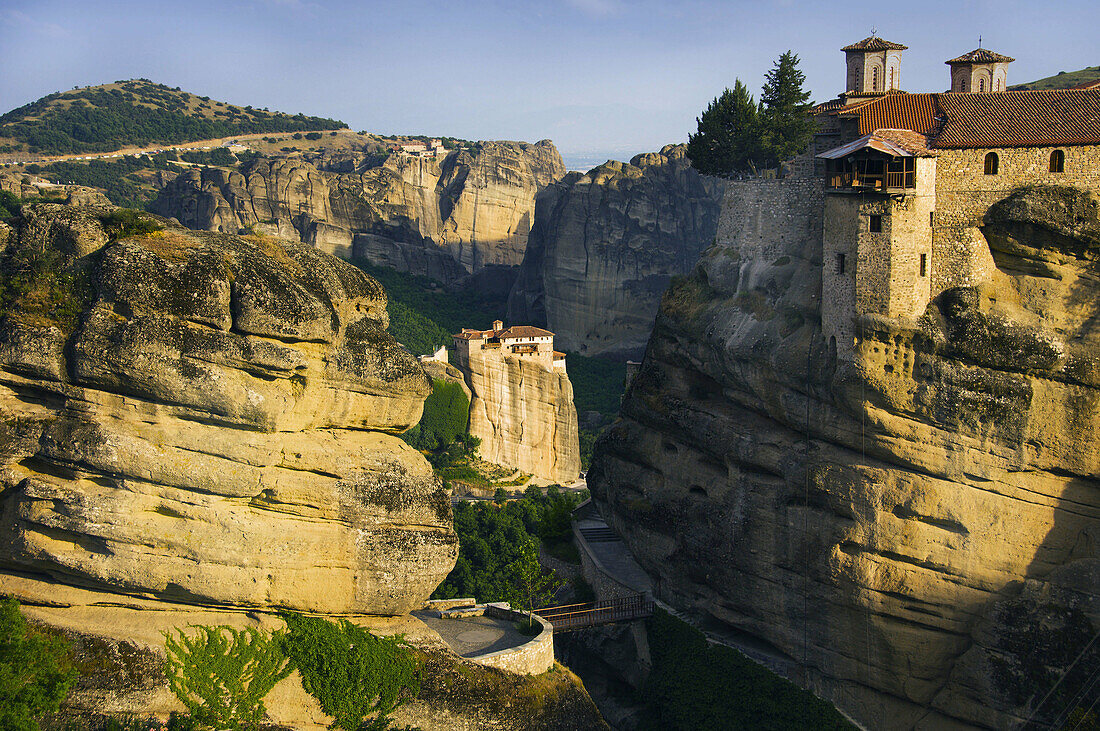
pixel 593 75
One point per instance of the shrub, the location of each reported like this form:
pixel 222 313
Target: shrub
pixel 351 672
pixel 35 670
pixel 222 674
pixel 124 222
pixel 313 135
pixel 446 413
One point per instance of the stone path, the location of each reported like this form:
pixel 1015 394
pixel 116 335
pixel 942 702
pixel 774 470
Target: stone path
pixel 473 636
pixel 612 554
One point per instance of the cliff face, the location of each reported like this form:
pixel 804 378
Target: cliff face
pixel 524 416
pixel 206 419
pixel 914 534
pixel 442 217
pixel 604 246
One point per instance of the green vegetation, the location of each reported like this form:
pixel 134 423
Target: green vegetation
pixel 496 542
pixel 351 672
pixel 534 586
pixel 35 670
pixel 734 135
pixel 39 288
pixel 10 203
pixel 446 413
pixel 222 674
pixel 137 113
pixel 120 180
pixel 1062 80
pixel 696 685
pixel 728 136
pixel 123 222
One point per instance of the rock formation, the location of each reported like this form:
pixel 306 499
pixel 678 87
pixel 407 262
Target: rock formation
pixel 604 246
pixel 525 418
pixel 206 419
pixel 444 217
pixel 914 534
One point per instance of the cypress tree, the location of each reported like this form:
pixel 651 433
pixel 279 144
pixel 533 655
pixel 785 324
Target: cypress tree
pixel 785 121
pixel 727 138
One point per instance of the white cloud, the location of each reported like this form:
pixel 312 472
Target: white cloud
pixel 26 24
pixel 596 7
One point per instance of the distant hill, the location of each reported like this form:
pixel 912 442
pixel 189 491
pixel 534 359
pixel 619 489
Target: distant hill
pixel 1062 80
pixel 135 113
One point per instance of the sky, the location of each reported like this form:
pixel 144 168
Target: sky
pixel 598 77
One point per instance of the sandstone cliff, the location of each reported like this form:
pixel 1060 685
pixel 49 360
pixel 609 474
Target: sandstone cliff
pixel 604 246
pixel 524 416
pixel 444 217
pixel 205 419
pixel 915 534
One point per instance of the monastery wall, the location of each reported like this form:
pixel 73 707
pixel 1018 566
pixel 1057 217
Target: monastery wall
pixel 758 216
pixel 964 193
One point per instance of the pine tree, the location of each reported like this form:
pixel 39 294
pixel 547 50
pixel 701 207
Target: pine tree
pixel 727 138
pixel 786 125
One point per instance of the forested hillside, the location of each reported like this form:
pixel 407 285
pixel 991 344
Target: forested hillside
pixel 135 113
pixel 1062 80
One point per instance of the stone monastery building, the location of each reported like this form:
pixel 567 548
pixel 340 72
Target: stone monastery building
pixel 519 341
pixel 905 180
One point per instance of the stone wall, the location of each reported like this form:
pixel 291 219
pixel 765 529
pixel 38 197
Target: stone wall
pixel 603 584
pixel 761 215
pixel 964 193
pixel 531 658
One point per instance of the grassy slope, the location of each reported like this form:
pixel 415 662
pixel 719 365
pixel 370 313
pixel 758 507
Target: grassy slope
pixel 135 113
pixel 1062 80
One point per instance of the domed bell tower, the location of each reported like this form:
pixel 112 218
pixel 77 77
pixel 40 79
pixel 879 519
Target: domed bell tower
pixel 979 71
pixel 874 66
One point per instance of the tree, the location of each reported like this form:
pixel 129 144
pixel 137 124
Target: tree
pixel 35 671
pixel 727 140
pixel 535 585
pixel 786 125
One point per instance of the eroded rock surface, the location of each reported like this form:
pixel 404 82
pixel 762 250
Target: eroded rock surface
pixel 915 534
pixel 208 419
pixel 444 217
pixel 605 245
pixel 524 416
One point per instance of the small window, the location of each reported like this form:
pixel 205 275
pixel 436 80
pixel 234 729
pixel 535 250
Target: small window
pixel 981 85
pixel 840 263
pixel 924 265
pixel 991 163
pixel 1057 162
pixel 874 79
pixel 876 224
pixel 931 218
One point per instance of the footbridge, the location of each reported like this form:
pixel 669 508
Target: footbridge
pixel 568 617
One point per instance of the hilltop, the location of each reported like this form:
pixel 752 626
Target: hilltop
pixel 137 113
pixel 1062 80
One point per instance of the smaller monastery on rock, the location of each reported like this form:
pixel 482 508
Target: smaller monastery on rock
pixel 522 405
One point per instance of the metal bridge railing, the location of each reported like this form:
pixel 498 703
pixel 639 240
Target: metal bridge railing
pixel 590 614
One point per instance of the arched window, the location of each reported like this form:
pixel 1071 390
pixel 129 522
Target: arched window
pixel 893 77
pixel 991 163
pixel 981 84
pixel 874 79
pixel 962 87
pixel 1057 162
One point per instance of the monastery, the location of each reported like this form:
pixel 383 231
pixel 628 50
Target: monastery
pixel 907 178
pixel 521 341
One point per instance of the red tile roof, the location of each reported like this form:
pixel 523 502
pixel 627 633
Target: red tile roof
pixel 874 43
pixel 980 55
pixel 995 119
pixel 1020 118
pixel 524 331
pixel 916 112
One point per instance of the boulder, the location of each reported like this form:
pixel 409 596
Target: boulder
pixel 210 420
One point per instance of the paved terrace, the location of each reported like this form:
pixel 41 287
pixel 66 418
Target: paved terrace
pixel 474 636
pixel 609 554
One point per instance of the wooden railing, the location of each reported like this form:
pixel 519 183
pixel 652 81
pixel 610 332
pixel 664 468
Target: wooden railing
pixel 876 181
pixel 577 616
